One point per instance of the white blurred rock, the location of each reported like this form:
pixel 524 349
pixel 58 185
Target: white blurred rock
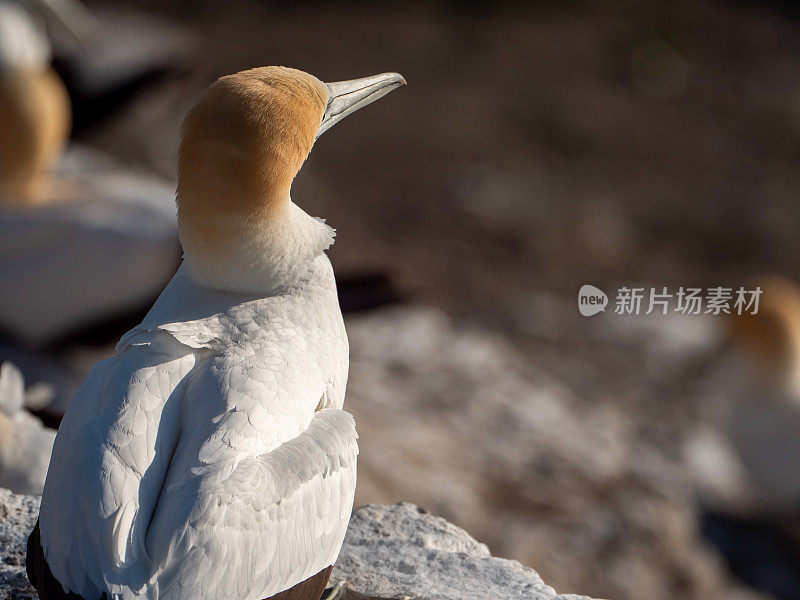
pixel 397 551
pixel 25 443
pixel 454 418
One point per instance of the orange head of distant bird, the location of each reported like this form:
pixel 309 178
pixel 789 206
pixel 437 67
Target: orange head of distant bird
pixel 771 337
pixel 243 143
pixel 35 112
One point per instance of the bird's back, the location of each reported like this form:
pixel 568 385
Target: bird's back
pixel 179 457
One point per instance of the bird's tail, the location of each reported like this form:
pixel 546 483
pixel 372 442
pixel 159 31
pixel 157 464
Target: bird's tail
pixel 39 573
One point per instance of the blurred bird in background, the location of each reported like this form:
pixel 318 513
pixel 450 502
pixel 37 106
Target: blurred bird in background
pixel 764 418
pixel 113 229
pixel 748 482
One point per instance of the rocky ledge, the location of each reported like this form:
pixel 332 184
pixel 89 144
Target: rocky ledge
pixel 395 551
pixel 401 551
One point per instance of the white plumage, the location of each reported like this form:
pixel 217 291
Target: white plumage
pixel 222 413
pixel 69 264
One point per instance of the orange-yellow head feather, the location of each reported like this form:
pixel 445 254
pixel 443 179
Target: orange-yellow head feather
pixel 243 143
pixel 35 113
pixel 771 338
pixel 36 122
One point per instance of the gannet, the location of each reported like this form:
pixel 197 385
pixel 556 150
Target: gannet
pixel 210 458
pixel 35 109
pixel 80 240
pixel 762 419
pixel 770 339
pixel 25 443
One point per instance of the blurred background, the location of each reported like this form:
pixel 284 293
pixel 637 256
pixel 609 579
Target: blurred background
pixel 538 146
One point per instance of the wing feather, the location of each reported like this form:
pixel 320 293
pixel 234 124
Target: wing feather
pixel 109 461
pixel 271 522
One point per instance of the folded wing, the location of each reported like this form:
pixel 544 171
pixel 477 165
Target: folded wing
pixel 259 527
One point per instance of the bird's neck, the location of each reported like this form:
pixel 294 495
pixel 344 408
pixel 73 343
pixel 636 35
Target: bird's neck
pixel 258 256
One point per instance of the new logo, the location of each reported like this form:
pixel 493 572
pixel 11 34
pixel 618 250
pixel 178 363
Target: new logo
pixel 591 300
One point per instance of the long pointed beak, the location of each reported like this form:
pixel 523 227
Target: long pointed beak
pixel 346 97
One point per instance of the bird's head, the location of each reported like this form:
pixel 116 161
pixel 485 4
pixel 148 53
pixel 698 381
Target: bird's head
pixel 770 339
pixel 243 143
pixel 35 109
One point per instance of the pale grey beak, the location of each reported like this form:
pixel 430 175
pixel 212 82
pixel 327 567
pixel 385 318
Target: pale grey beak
pixel 346 97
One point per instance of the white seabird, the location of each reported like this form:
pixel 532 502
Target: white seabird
pixel 763 411
pixel 211 458
pixel 25 443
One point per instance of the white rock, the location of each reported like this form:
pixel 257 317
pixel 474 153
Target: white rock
pixel 390 550
pixel 17 517
pixel 25 443
pixel 397 551
pixel 553 473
